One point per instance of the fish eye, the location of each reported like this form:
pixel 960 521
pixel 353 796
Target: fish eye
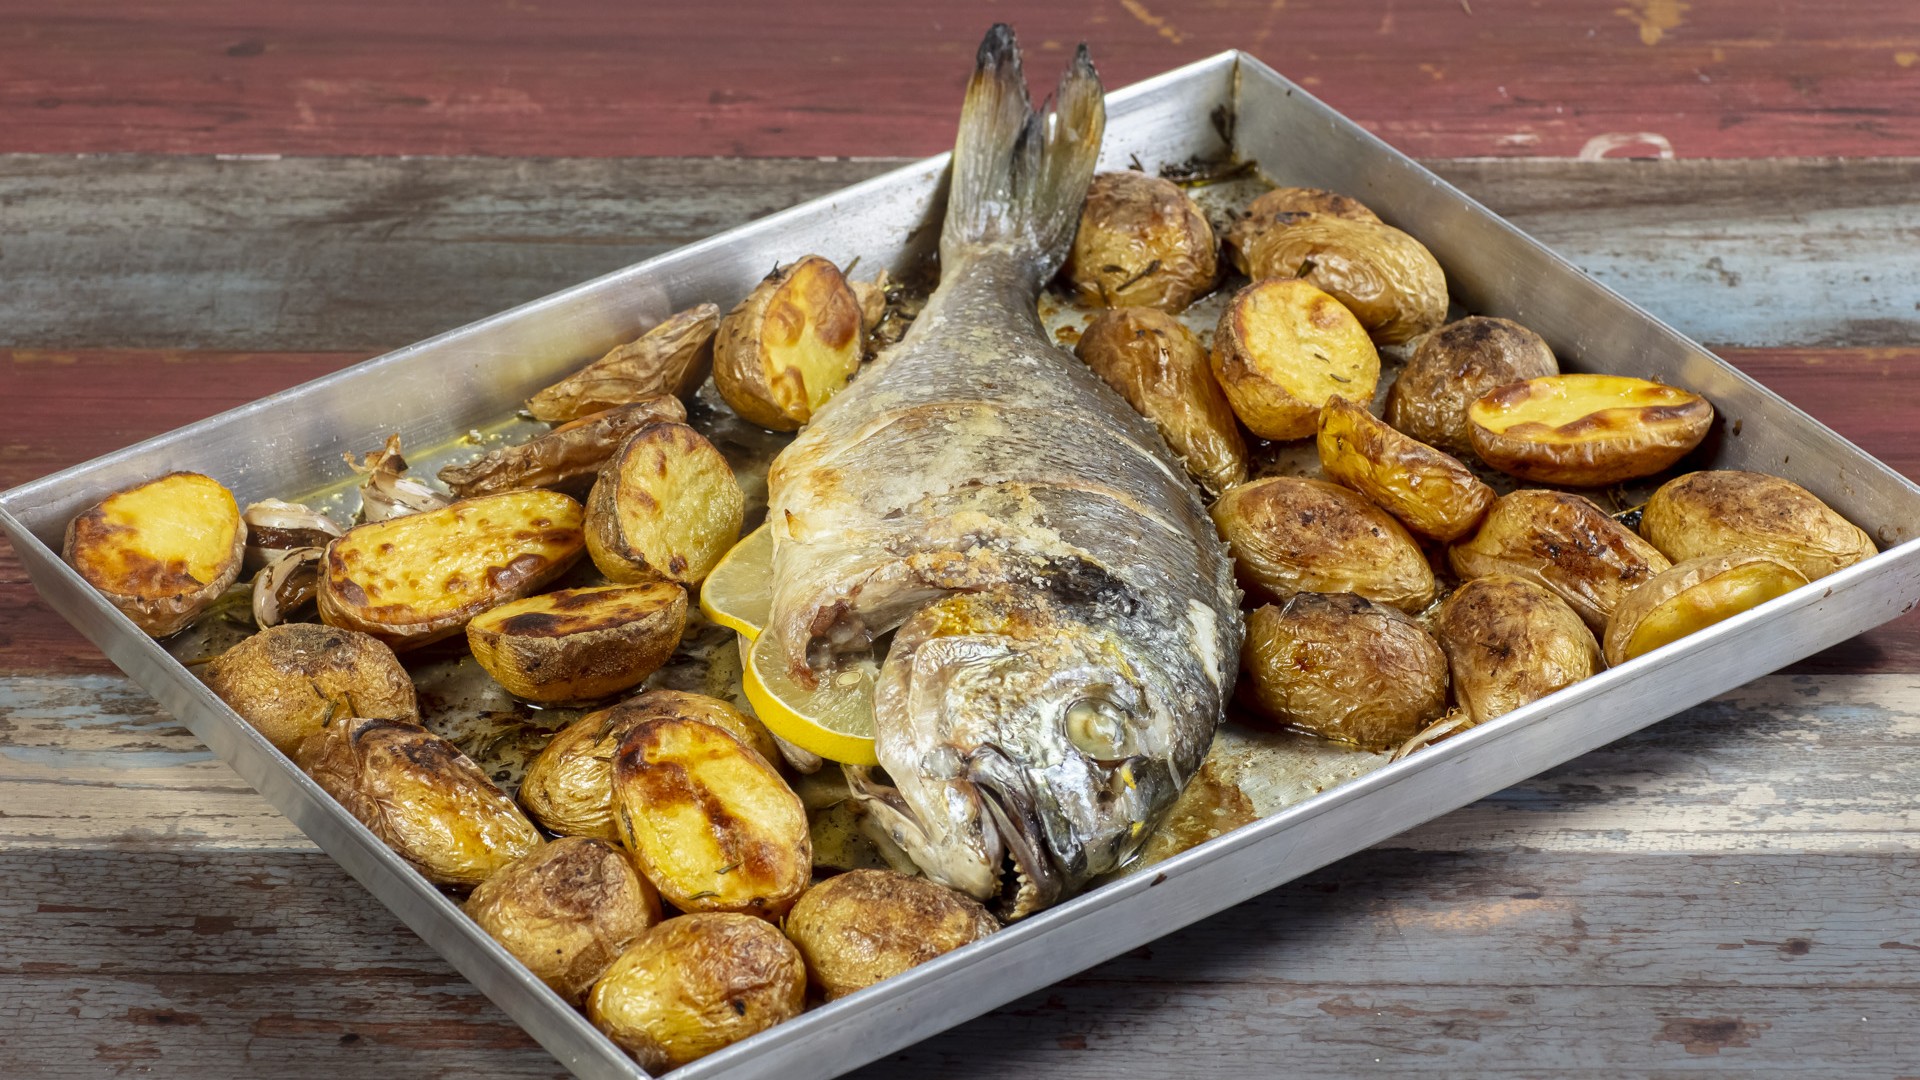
pixel 1097 728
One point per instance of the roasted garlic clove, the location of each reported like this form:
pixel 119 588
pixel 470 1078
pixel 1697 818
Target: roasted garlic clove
pixel 286 585
pixel 387 492
pixel 275 528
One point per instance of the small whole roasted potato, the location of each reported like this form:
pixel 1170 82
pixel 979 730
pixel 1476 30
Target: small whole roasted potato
pixel 160 551
pixel 709 821
pixel 291 680
pixel 665 508
pixel 1141 243
pixel 573 451
pixel 1344 668
pixel 671 359
pixel 567 909
pixel 1563 542
pixel 790 345
pixel 421 796
pixel 418 578
pixel 1430 492
pixel 1282 348
pixel 1162 370
pixel 568 786
pixel 1389 280
pixel 1285 205
pixel 1291 535
pixel 580 644
pixel 1729 511
pixel 1455 366
pixel 1693 595
pixel 1510 641
pixel 857 928
pixel 1586 430
pixel 696 984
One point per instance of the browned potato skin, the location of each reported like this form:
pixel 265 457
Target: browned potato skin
pixel 858 928
pixel 1141 243
pixel 708 710
pixel 580 644
pixel 571 452
pixel 1277 351
pixel 568 786
pixel 1510 641
pixel 672 358
pixel 567 910
pixel 1162 370
pixel 809 291
pixel 1453 367
pixel 1288 203
pixel 1290 535
pixel 684 503
pixel 1700 584
pixel 1341 667
pixel 696 984
pixel 160 598
pixel 1430 492
pixel 1384 276
pixel 1605 447
pixel 1726 511
pixel 1563 542
pixel 421 796
pixel 289 680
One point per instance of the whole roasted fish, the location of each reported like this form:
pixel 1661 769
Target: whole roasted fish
pixel 1063 621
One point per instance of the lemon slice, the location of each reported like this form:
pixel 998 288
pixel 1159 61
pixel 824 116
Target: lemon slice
pixel 835 720
pixel 738 594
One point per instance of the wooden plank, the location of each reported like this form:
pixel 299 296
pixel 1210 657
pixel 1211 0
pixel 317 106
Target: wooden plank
pixel 599 78
pixel 365 255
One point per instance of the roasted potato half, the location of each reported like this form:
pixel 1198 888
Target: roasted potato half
pixel 1563 542
pixel 1344 668
pixel 710 822
pixel 291 680
pixel 1510 641
pixel 1162 370
pixel 857 928
pixel 1389 280
pixel 421 796
pixel 1141 243
pixel 1291 535
pixel 1728 511
pixel 665 508
pixel 1282 348
pixel 790 345
pixel 1430 492
pixel 1586 430
pixel 672 358
pixel 567 910
pixel 696 984
pixel 418 578
pixel 160 551
pixel 708 710
pixel 580 644
pixel 1455 366
pixel 571 452
pixel 1287 204
pixel 1693 595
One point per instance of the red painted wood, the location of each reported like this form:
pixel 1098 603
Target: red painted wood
pixel 1439 78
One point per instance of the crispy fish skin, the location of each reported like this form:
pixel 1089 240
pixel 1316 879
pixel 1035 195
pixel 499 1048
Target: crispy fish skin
pixel 1064 617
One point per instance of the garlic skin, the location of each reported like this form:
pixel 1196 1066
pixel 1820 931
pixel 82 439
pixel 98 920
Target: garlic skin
pixel 387 492
pixel 275 528
pixel 285 585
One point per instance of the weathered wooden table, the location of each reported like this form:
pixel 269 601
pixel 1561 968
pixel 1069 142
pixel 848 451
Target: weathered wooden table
pixel 1735 890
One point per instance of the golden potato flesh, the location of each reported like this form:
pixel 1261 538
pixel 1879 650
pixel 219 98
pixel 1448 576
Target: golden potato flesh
pixel 1282 348
pixel 1290 535
pixel 560 457
pixel 567 910
pixel 1694 595
pixel 665 508
pixel 790 345
pixel 580 644
pixel 696 984
pixel 568 786
pixel 1342 667
pixel 290 680
pixel 1389 280
pixel 709 821
pixel 1586 430
pixel 421 796
pixel 671 359
pixel 1455 366
pixel 1429 492
pixel 418 578
pixel 1510 641
pixel 857 928
pixel 708 710
pixel 1162 370
pixel 160 551
pixel 1563 542
pixel 1141 242
pixel 1286 204
pixel 1728 511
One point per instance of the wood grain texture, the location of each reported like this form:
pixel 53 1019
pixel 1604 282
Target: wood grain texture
pixel 600 78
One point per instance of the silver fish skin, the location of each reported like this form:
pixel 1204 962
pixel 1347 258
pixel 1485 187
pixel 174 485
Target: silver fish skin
pixel 1064 626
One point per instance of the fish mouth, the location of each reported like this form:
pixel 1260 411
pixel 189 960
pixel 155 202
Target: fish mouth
pixel 1029 881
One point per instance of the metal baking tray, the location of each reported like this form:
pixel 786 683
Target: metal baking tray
pixel 1227 105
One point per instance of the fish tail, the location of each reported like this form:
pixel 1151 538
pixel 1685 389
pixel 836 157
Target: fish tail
pixel 1020 176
